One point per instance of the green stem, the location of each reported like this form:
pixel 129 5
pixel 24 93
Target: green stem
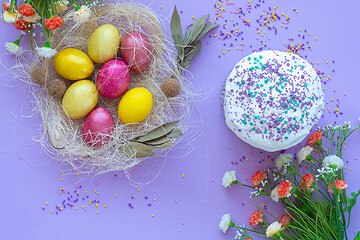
pixel 241 184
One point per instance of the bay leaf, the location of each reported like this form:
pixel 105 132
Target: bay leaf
pixel 176 132
pixel 138 150
pixel 164 145
pixel 176 33
pixel 195 30
pixel 191 52
pixel 157 141
pixel 157 132
pixel 207 28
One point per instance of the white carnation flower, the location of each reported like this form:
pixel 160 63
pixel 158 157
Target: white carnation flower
pixel 303 153
pixel 32 19
pixel 283 160
pixel 9 17
pixel 13 48
pixel 275 195
pixel 225 222
pixel 46 51
pixel 273 229
pixel 333 161
pixel 228 178
pixel 83 14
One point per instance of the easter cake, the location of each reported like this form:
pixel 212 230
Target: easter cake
pixel 272 99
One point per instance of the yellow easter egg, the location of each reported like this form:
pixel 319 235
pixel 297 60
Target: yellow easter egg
pixel 73 64
pixel 135 105
pixel 104 43
pixel 80 98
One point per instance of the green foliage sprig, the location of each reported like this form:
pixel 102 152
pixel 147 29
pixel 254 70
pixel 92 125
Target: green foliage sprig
pixel 191 45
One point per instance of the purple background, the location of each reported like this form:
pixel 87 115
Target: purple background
pixel 188 207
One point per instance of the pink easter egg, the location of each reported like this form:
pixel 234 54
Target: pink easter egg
pixel 113 79
pixel 135 49
pixel 98 127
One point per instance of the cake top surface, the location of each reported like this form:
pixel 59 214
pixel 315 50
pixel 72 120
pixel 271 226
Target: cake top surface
pixel 272 99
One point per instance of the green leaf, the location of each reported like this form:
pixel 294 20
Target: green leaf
pixel 176 132
pixel 352 201
pixel 164 145
pixel 157 132
pixel 357 237
pixel 324 204
pixel 195 30
pixel 157 141
pixel 191 52
pixel 207 28
pixel 138 150
pixel 176 33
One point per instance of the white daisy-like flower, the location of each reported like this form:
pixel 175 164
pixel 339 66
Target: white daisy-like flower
pixel 13 48
pixel 9 17
pixel 32 19
pixel 225 222
pixel 303 153
pixel 83 14
pixel 273 229
pixel 283 160
pixel 275 195
pixel 333 161
pixel 46 51
pixel 228 178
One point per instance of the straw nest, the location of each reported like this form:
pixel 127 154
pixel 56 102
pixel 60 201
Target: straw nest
pixel 62 135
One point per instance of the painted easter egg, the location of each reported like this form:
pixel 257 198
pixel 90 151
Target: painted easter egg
pixel 135 105
pixel 98 127
pixel 113 79
pixel 80 98
pixel 104 43
pixel 73 64
pixel 135 49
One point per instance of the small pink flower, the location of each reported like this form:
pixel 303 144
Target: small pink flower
pixel 256 218
pixel 22 25
pixel 284 189
pixel 258 177
pixel 53 23
pixel 314 138
pixel 339 186
pixel 6 6
pixel 285 220
pixel 26 10
pixel 307 181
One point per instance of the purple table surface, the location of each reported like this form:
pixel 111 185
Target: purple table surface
pixel 186 200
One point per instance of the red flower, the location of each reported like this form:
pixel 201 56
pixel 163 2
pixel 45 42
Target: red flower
pixel 6 6
pixel 22 25
pixel 54 22
pixel 307 181
pixel 315 138
pixel 26 10
pixel 339 185
pixel 256 218
pixel 258 177
pixel 285 220
pixel 284 189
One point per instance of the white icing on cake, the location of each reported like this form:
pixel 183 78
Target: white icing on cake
pixel 272 99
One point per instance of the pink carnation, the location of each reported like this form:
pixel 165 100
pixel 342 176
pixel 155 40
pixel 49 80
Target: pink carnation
pixel 258 177
pixel 284 189
pixel 256 218
pixel 339 186
pixel 307 181
pixel 314 138
pixel 285 220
